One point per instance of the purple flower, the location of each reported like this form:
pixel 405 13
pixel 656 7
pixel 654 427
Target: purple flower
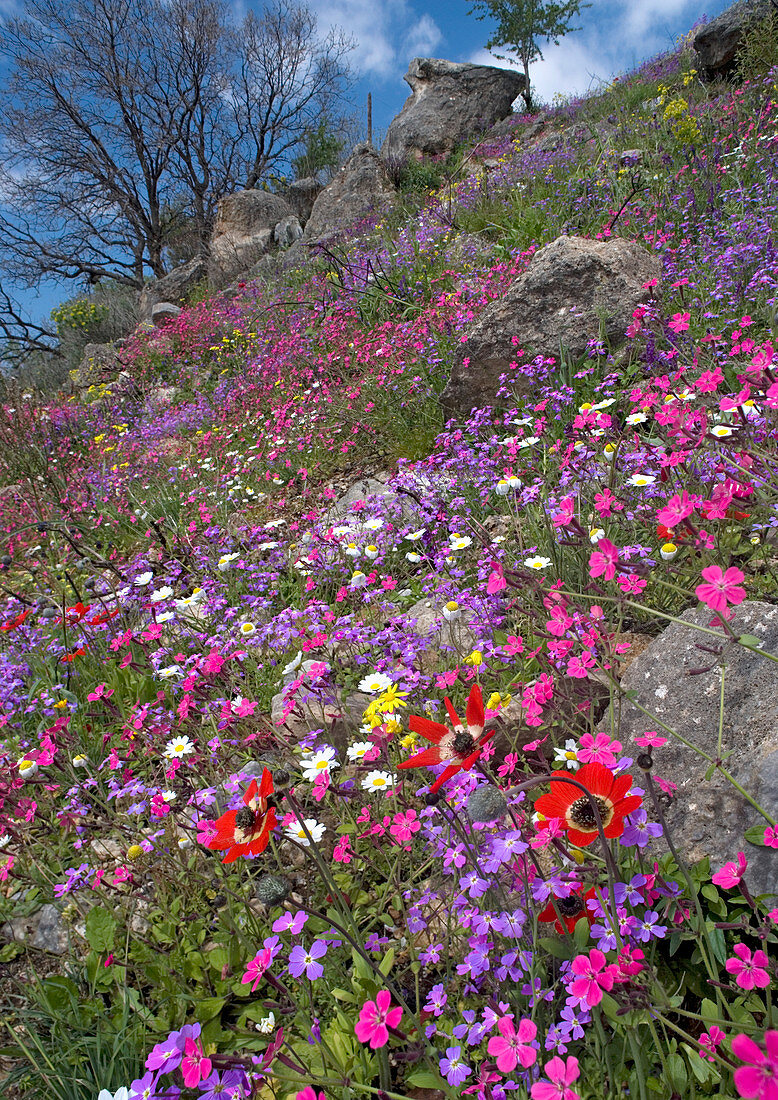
pixel 301 960
pixel 230 1085
pixel 647 928
pixel 293 922
pixel 453 1068
pixel 638 830
pixel 436 1000
pixel 144 1088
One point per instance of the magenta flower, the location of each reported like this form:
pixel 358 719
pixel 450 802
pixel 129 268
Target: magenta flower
pixel 771 836
pixel 310 1093
pixel 677 509
pixel 256 968
pixel 598 748
pixel 375 1019
pixel 709 1041
pixel 511 1045
pixel 560 1075
pixel 195 1067
pixel 721 588
pixel 759 1080
pixel 594 976
pixel 602 562
pixel 749 970
pixel 730 874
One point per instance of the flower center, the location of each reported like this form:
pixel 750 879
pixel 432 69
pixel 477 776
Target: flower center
pixel 244 818
pixel 581 813
pixel 570 907
pixel 463 743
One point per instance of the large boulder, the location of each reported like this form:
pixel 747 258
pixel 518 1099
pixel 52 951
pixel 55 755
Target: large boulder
pixel 361 188
pixel 243 232
pixel 716 43
pixel 99 366
pixel 573 289
pixel 449 103
pixel 301 195
pixel 678 680
pixel 175 287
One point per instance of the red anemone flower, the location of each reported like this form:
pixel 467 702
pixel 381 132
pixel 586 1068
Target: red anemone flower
pixel 458 747
pixel 75 614
pixel 68 657
pixel 13 623
pixel 571 909
pixel 246 832
pixel 572 806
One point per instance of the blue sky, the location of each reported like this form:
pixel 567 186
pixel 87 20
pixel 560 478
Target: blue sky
pixel 615 36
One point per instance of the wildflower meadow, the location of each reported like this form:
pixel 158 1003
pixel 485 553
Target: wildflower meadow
pixel 309 698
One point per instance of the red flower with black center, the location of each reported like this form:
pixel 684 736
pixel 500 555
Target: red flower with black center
pixel 246 832
pixel 17 621
pixel 458 745
pixel 569 803
pixel 571 909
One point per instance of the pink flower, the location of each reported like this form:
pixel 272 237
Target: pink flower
pixel 496 581
pixel 749 970
pixel 721 588
pixel 771 836
pixel 603 560
pixel 759 1080
pixel 599 749
pixel 679 323
pixel 310 1093
pixel 677 509
pixel 375 1019
pixel 595 975
pixel 730 875
pixel 513 645
pixel 195 1067
pixel 709 1041
pixel 560 1075
pixel 342 852
pixel 650 737
pixel 256 968
pixel 511 1045
pixel 564 516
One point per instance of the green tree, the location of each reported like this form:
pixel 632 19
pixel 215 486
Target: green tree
pixel 321 151
pixel 522 25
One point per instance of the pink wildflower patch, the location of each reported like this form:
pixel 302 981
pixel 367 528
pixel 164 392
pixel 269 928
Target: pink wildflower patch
pixel 720 588
pixel 375 1019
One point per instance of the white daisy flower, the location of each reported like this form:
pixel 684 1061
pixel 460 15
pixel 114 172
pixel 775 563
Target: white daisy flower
pixel 378 781
pixel 358 579
pixel 268 545
pixel 351 550
pixel 371 552
pixel 375 683
pixel 178 747
pixel 27 768
pixel 636 418
pixel 160 594
pixel 143 579
pixel 530 441
pixel 452 611
pixel 225 561
pixel 414 559
pixel 460 542
pixel 374 524
pixel 315 829
pixel 184 842
pixel 721 431
pixel 641 481
pixel 247 629
pixel 321 761
pixel 668 551
pixel 358 749
pixel 274 523
pixel 567 757
pixel 80 760
pixel 293 665
pixel 165 617
pixel 596 534
pixel 537 562
pixel 266 1026
pixel 414 536
pixel 169 672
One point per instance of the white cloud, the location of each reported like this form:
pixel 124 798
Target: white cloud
pixel 388 33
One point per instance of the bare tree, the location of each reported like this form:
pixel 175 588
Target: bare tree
pixel 118 112
pixel 288 80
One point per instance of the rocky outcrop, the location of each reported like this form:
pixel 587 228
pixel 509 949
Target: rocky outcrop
pixel 243 233
pixel 449 103
pixel 716 43
pixel 677 679
pixel 573 290
pixel 287 232
pixel 175 287
pixel 99 365
pixel 361 188
pixel 301 195
pixel 163 313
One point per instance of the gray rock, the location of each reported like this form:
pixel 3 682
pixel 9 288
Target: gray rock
pixel 716 43
pixel 301 195
pixel 339 718
pixel 50 933
pixel 162 312
pixel 573 289
pixel 175 287
pixel 630 157
pixel 287 231
pixel 361 188
pixel 449 103
pixel 709 817
pixel 426 619
pixel 100 363
pixel 243 233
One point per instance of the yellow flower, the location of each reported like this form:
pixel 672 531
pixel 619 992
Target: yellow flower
pixel 475 659
pixel 391 700
pixel 134 851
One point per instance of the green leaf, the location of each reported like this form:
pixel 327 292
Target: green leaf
pixel 710 892
pixel 609 1006
pixel 750 641
pixel 209 1007
pixel 755 835
pixel 581 933
pixel 218 958
pixel 342 995
pixel 424 1079
pixel 556 948
pixel 386 964
pixel 675 1070
pixel 709 773
pixel 100 929
pixel 717 942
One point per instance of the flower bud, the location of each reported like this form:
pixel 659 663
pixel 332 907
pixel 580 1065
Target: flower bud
pixel 485 804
